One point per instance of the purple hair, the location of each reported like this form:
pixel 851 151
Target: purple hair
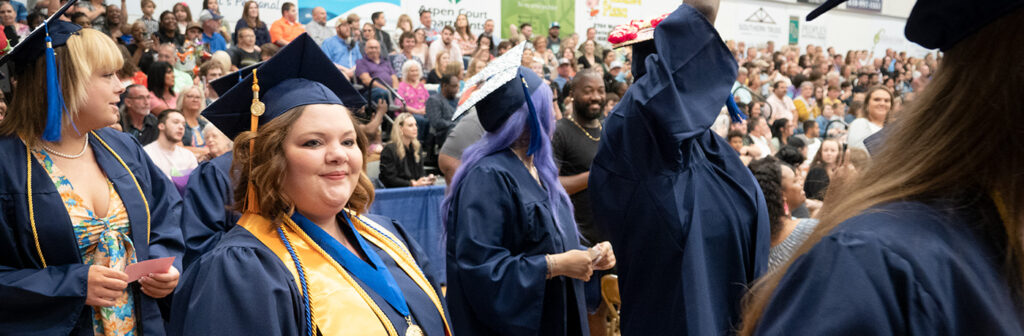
pixel 504 137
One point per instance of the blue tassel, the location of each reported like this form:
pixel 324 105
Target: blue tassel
pixel 54 97
pixel 734 111
pixel 535 130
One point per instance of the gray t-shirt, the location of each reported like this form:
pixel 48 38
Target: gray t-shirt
pixel 466 132
pixel 779 254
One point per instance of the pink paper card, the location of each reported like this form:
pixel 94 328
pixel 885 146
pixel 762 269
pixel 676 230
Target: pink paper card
pixel 138 270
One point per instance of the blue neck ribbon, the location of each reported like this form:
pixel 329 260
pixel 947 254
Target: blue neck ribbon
pixel 375 274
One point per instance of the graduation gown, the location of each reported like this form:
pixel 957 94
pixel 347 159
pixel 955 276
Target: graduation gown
pixel 499 229
pixel 241 287
pixel 905 268
pixel 205 215
pixel 687 218
pixel 50 300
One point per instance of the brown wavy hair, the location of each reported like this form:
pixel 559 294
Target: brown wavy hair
pixel 942 145
pixel 269 168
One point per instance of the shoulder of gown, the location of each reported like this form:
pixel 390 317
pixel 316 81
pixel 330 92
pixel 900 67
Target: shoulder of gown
pixel 210 295
pixel 900 268
pixel 205 215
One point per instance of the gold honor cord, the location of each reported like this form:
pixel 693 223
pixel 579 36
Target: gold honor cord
pixel 31 206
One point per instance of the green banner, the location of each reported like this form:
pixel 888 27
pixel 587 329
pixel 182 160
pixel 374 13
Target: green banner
pixel 540 14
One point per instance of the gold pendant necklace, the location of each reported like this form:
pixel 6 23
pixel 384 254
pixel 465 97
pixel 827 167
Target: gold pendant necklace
pixel 599 127
pixel 413 330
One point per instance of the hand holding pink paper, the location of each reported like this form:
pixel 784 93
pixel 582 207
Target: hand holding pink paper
pixel 140 269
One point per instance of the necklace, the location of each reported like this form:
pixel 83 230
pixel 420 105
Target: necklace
pixel 85 145
pixel 599 127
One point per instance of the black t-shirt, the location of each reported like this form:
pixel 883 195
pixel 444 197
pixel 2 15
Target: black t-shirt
pixel 241 58
pixel 433 78
pixel 574 152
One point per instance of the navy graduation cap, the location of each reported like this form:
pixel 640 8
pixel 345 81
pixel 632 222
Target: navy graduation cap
pixel 40 42
pixel 506 86
pixel 224 83
pixel 299 74
pixel 942 23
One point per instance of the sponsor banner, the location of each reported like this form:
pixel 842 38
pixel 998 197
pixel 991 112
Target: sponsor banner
pixel 444 12
pixel 540 14
pixel 867 5
pixel 604 15
pixel 340 9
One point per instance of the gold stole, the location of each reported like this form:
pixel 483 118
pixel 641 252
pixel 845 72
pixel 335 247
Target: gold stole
pixel 340 306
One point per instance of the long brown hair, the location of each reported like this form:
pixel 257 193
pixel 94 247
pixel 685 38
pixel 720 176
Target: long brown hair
pixel 86 52
pixel 254 21
pixel 942 145
pixel 269 167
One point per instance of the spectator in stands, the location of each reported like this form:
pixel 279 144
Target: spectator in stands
pixel 148 8
pixel 590 58
pixel 806 105
pixel 216 141
pixel 523 33
pixel 591 37
pixel 475 65
pixel 878 104
pixel 81 19
pixel 366 34
pixel 823 166
pixel 208 72
pixel 446 44
pixel 484 43
pixel 167 53
pixel 193 35
pixel 287 28
pixel 412 90
pixel 421 50
pixel 374 66
pixel 543 55
pixel 251 19
pixel 777 182
pixel 810 135
pixel 922 79
pixel 8 18
pixel 353 23
pixel 735 139
pixel 404 25
pixel 379 20
pixel 342 49
pixel 166 152
pixel 182 15
pixel 503 46
pixel 225 29
pixel 564 73
pixel 191 103
pixel 113 24
pixel 129 73
pixel 569 44
pixel 782 105
pixel 268 50
pixel 442 60
pixel 245 52
pixel 782 129
pixel 554 37
pixel 464 35
pixel 317 29
pixel 136 118
pixel 160 81
pixel 427 24
pixel 93 10
pixel 440 108
pixel 168 32
pixel 211 37
pixel 489 32
pixel 407 41
pixel 400 163
pixel 760 136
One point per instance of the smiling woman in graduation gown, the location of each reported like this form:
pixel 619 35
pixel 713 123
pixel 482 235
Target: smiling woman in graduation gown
pixel 515 262
pixel 686 216
pixel 55 254
pixel 280 270
pixel 927 240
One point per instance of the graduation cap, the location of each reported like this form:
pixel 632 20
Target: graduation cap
pixel 942 23
pixel 224 83
pixel 300 74
pixel 40 42
pixel 506 86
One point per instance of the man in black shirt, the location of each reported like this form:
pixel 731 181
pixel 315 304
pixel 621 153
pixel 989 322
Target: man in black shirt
pixel 575 144
pixel 440 107
pixel 136 118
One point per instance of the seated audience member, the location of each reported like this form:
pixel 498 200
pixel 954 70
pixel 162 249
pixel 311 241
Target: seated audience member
pixel 216 141
pixel 441 61
pixel 779 183
pixel 760 136
pixel 810 138
pixel 823 167
pixel 136 118
pixel 208 72
pixel 878 105
pixel 735 139
pixel 251 19
pixel 342 49
pixel 182 70
pixel 400 162
pixel 782 129
pixel 287 28
pixel 407 42
pixel 267 51
pixel 415 94
pixel 191 102
pixel 160 81
pixel 168 32
pixel 440 108
pixel 166 152
pixel 212 38
pixel 374 66
pixel 245 52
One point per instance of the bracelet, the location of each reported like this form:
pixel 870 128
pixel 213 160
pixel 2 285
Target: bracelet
pixel 551 265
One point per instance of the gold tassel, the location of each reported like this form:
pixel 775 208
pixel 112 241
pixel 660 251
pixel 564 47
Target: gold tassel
pixel 256 110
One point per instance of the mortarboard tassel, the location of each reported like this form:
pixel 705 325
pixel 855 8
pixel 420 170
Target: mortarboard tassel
pixel 734 110
pixel 256 110
pixel 54 97
pixel 534 120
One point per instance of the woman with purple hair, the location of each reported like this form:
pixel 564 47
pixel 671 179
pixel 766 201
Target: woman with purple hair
pixel 515 262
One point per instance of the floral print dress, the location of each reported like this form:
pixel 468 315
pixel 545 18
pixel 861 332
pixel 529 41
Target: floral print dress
pixel 102 241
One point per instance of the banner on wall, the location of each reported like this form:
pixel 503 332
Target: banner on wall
pixel 340 9
pixel 540 14
pixel 604 15
pixel 444 12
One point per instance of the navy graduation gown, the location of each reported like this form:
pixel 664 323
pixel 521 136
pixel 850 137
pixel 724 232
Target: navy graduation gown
pixel 906 268
pixel 51 300
pixel 205 215
pixel 499 229
pixel 241 287
pixel 687 219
